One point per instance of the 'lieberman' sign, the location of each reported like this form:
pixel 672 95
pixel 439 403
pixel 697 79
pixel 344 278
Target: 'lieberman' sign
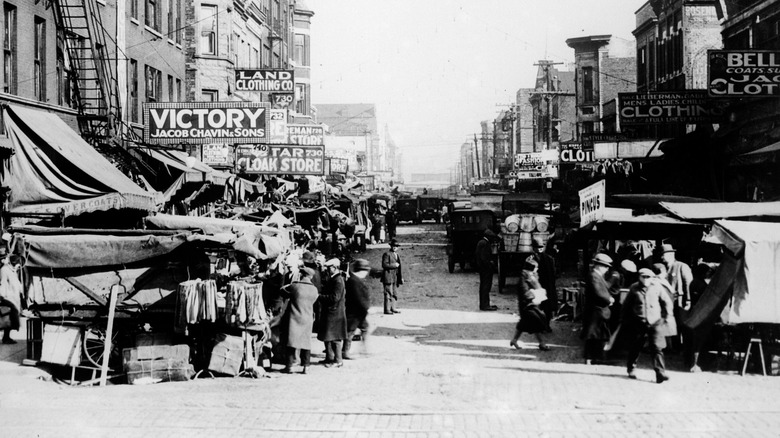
pixel 278 81
pixel 281 159
pixel 692 106
pixel 306 135
pixel 205 122
pixel 743 73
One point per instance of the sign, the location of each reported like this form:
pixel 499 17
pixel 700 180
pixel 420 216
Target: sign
pixel 215 154
pixel 338 165
pixel 536 165
pixel 277 130
pixel 278 81
pixel 205 122
pixel 743 73
pixel 306 135
pixel 282 99
pixel 592 203
pixel 692 106
pixel 575 153
pixel 281 159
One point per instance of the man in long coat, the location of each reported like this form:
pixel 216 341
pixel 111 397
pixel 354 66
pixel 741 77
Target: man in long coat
pixel 546 278
pixel 358 301
pixel 392 277
pixel 596 314
pixel 333 324
pixel 299 319
pixel 486 267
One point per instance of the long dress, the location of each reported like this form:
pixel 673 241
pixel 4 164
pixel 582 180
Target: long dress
pixel 10 292
pixel 532 318
pixel 300 315
pixel 333 326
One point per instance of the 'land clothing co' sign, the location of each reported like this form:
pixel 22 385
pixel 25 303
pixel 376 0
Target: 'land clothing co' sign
pixel 692 106
pixel 281 159
pixel 277 81
pixel 306 135
pixel 743 73
pixel 592 204
pixel 205 122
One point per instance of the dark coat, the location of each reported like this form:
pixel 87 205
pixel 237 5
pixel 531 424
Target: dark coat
pixel 596 312
pixel 299 318
pixel 333 318
pixel 483 255
pixel 532 319
pixel 547 280
pixel 358 301
pixel 391 264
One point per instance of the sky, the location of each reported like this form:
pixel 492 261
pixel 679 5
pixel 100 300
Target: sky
pixel 436 68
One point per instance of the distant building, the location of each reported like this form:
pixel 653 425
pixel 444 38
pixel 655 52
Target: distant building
pixel 352 133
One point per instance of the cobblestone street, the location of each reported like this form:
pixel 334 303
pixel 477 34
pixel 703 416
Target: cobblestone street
pixel 439 369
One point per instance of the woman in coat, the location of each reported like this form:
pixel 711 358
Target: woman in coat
pixel 532 318
pixel 299 319
pixel 596 314
pixel 333 324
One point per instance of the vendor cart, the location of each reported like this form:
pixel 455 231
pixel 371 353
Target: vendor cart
pixel 528 216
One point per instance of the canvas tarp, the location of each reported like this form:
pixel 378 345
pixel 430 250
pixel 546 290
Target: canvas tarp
pixel 744 287
pixel 721 210
pixel 54 170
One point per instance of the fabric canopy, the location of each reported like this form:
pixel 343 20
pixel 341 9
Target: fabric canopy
pixel 746 282
pixel 54 170
pixel 192 169
pixel 722 210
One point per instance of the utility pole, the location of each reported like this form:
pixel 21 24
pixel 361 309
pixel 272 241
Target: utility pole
pixel 512 119
pixel 548 96
pixel 476 154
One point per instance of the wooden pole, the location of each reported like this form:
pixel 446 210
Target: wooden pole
pixel 109 333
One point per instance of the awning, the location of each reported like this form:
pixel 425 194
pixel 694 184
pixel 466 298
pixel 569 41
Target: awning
pixel 774 147
pixel 193 169
pixel 722 210
pixel 54 170
pixel 627 149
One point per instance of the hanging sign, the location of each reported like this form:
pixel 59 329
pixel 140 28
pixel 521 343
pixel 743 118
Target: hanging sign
pixel 592 203
pixel 536 165
pixel 575 153
pixel 667 107
pixel 277 81
pixel 338 165
pixel 215 154
pixel 281 159
pixel 277 128
pixel 306 135
pixel 743 73
pixel 205 122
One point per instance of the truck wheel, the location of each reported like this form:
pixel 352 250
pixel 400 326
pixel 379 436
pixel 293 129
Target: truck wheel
pixel 451 264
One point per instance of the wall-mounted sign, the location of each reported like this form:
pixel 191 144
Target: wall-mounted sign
pixel 205 122
pixel 575 153
pixel 338 165
pixel 592 203
pixel 282 99
pixel 743 73
pixel 216 154
pixel 664 107
pixel 306 135
pixel 277 81
pixel 536 165
pixel 281 159
pixel 277 127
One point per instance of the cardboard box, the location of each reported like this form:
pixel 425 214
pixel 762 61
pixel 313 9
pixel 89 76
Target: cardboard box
pixel 154 352
pixel 61 345
pixel 160 370
pixel 227 355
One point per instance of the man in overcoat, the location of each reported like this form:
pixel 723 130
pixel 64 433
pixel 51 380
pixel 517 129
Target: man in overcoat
pixel 392 277
pixel 486 267
pixel 299 319
pixel 596 313
pixel 546 272
pixel 358 301
pixel 333 324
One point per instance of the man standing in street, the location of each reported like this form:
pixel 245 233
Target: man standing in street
pixel 333 326
pixel 358 301
pixel 680 277
pixel 546 278
pixel 392 277
pixel 645 310
pixel 595 317
pixel 486 267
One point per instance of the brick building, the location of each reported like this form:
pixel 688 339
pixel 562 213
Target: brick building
pixel 561 111
pixel 525 121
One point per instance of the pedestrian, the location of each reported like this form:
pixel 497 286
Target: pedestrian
pixel 358 301
pixel 546 272
pixel 392 277
pixel 596 314
pixel 530 295
pixel 486 267
pixel 10 293
pixel 333 324
pixel 391 220
pixel 679 275
pixel 619 280
pixel 646 310
pixel 299 319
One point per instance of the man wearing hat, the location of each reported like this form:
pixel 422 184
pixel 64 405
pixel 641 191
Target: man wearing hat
pixel 679 275
pixel 358 301
pixel 486 267
pixel 333 326
pixel 392 277
pixel 596 313
pixel 646 309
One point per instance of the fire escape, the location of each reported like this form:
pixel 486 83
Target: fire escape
pixel 92 78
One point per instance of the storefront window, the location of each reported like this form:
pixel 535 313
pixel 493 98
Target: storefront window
pixel 208 30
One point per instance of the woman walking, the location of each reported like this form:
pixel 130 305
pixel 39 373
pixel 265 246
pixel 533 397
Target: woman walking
pixel 530 295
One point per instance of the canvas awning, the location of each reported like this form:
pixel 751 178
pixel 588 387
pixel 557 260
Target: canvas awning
pixel 53 170
pixel 721 210
pixel 192 169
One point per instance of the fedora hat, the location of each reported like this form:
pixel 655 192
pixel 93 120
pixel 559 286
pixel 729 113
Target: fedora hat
pixel 336 263
pixel 530 264
pixel 308 257
pixel 603 259
pixel 360 265
pixel 667 248
pixel 394 242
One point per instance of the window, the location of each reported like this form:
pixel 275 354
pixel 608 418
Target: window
pixel 299 49
pixel 208 30
pixel 133 8
pixel 266 56
pixel 587 84
pixel 152 17
pixel 178 90
pixel 177 23
pixel 255 57
pixel 153 81
pixel 39 60
pixel 170 89
pixel 587 127
pixel 132 92
pixel 9 49
pixel 277 61
pixel 63 88
pixel 300 99
pixel 210 95
pixel 171 11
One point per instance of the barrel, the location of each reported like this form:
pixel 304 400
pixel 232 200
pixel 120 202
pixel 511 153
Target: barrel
pixel 541 237
pixel 512 223
pixel 524 244
pixel 542 223
pixel 527 222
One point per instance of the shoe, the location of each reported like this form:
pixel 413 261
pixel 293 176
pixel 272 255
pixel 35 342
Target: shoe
pixel 286 370
pixel 631 374
pixel 388 313
pixel 304 370
pixel 695 369
pixel 8 341
pixel 544 347
pixel 324 362
pixel 513 343
pixel 588 362
pixel 396 311
pixel 661 378
pixel 346 357
pixel 488 308
pixel 334 365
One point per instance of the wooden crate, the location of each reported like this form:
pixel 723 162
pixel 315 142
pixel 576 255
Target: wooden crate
pixel 160 370
pixel 227 355
pixel 61 345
